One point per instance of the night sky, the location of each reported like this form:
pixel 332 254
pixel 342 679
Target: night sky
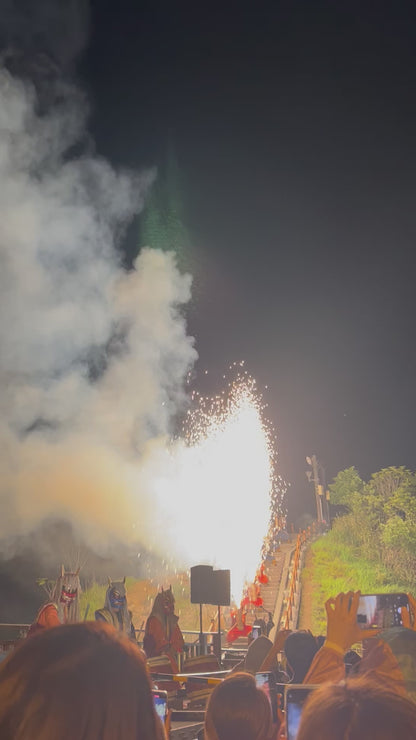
pixel 294 125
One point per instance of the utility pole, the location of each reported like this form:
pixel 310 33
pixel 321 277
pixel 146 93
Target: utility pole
pixel 313 477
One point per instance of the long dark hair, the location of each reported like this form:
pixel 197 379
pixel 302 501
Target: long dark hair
pixel 238 709
pixel 83 681
pixel 357 709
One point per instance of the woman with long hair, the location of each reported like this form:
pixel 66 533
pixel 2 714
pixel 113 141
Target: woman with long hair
pixel 238 709
pixel 83 681
pixel 357 709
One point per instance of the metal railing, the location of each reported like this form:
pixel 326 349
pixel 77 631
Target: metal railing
pixel 192 638
pixel 293 587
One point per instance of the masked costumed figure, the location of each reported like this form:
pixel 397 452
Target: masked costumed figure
pixel 261 576
pixel 63 607
pixel 162 635
pixel 239 628
pixel 251 597
pixel 115 610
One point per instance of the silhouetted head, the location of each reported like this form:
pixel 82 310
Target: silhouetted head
pixel 83 681
pixel 256 653
pixel 357 709
pixel 238 709
pixel 300 649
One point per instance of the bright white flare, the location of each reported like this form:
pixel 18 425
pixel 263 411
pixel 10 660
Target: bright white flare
pixel 213 500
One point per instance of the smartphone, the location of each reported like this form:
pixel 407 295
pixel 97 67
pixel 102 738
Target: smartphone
pixel 160 699
pixel 255 632
pixel 266 682
pixel 295 697
pixel 379 611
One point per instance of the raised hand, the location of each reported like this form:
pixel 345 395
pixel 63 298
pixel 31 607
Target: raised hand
pixel 280 639
pixel 342 628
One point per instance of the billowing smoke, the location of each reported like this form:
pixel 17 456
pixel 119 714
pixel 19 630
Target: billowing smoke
pixel 93 357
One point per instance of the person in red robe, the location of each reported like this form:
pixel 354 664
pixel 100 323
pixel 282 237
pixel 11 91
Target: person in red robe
pixel 261 576
pixel 162 634
pixel 239 628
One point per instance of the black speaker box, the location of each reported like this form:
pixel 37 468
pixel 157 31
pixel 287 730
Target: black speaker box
pixel 220 591
pixel 201 584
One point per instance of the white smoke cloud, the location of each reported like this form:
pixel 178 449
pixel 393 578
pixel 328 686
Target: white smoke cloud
pixel 92 357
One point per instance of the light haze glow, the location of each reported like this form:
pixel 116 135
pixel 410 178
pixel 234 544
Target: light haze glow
pixel 213 500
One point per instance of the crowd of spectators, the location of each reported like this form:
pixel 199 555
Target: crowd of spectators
pixel 87 681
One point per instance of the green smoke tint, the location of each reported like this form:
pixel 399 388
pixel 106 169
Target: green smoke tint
pixel 162 223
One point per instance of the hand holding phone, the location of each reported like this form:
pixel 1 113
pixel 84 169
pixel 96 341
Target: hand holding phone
pixel 342 627
pixel 381 611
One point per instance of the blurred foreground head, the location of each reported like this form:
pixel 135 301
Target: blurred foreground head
pixel 238 709
pixel 85 681
pixel 300 649
pixel 357 709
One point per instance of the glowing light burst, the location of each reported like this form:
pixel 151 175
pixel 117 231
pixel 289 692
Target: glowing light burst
pixel 216 498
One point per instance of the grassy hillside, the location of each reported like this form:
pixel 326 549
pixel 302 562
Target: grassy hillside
pixel 331 567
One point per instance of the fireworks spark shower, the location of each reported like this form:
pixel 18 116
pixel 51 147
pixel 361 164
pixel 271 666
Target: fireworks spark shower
pixel 214 498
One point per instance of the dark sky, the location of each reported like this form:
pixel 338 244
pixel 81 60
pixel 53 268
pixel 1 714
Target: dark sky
pixel 294 126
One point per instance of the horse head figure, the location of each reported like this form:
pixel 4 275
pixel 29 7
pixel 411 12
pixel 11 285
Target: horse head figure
pixel 164 610
pixel 164 602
